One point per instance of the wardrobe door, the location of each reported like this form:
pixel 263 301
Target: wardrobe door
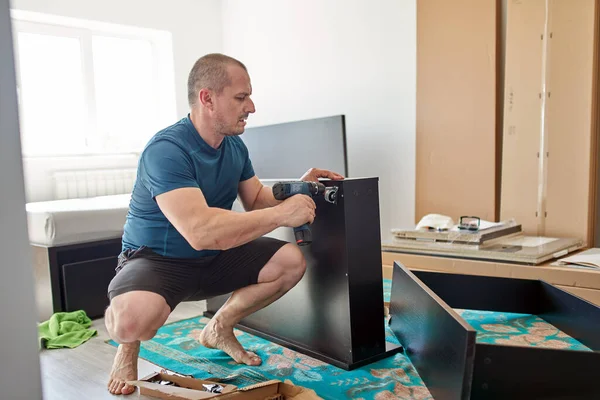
pixel 523 102
pixel 570 77
pixel 456 108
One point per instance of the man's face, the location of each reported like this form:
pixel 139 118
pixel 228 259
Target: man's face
pixel 233 105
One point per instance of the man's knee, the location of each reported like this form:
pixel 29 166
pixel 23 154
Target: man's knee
pixel 133 318
pixel 293 265
pixel 123 327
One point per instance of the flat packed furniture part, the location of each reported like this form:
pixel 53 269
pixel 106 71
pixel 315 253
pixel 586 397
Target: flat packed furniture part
pixel 336 312
pixel 518 249
pixel 549 138
pixel 456 127
pixel 75 277
pixel 443 347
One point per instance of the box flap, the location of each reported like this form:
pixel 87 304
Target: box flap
pixel 191 389
pixel 259 385
pixel 188 388
pixel 171 392
pixel 287 388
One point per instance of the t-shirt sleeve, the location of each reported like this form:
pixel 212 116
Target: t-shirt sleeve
pixel 164 166
pixel 248 171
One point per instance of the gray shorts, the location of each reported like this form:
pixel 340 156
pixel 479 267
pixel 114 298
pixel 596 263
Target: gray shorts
pixel 184 279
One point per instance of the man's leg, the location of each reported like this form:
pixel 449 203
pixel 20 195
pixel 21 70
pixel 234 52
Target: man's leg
pixel 132 317
pixel 280 274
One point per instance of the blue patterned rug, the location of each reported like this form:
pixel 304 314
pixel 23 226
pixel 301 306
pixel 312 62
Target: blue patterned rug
pixel 175 348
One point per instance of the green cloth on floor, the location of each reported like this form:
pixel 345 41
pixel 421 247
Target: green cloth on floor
pixel 66 330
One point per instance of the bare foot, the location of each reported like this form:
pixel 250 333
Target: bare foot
pixel 216 336
pixel 124 368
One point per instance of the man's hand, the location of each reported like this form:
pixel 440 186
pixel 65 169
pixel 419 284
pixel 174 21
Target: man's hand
pixel 314 174
pixel 296 211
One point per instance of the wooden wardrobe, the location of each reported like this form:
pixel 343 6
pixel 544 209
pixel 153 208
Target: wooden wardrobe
pixel 507 110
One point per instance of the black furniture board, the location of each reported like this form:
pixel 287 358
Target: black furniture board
pixel 571 314
pixel 481 292
pixel 336 312
pixel 495 371
pixel 72 254
pixel 439 343
pixel 86 283
pixel 511 372
pixel 321 141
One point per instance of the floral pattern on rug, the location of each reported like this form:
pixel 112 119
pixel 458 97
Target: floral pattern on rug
pixel 176 348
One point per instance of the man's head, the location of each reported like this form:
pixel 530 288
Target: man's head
pixel 219 87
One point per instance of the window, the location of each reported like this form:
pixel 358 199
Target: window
pixel 88 88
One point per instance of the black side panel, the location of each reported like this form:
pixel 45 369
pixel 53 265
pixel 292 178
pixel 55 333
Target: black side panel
pixel 484 292
pixel 439 343
pixel 574 316
pixel 511 372
pixel 364 267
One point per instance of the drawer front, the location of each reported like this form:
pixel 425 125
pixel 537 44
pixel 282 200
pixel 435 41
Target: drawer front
pixel 85 285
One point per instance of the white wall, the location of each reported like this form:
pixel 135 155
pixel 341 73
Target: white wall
pixel 195 26
pixel 315 58
pixel 20 369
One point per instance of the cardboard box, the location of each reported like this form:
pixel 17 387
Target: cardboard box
pixel 193 389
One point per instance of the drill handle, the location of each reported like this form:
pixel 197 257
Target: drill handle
pixel 303 235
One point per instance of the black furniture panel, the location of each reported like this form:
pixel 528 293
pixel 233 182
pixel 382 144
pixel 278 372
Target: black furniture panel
pixel 570 314
pixel 421 302
pixel 321 141
pixel 74 289
pixel 85 285
pixel 511 372
pixel 481 293
pixel 439 343
pixel 336 312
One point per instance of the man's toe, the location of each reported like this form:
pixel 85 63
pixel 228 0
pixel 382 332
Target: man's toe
pixel 253 359
pixel 127 389
pixel 116 387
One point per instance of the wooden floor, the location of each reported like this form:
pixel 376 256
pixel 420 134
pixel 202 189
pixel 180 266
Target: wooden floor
pixel 82 372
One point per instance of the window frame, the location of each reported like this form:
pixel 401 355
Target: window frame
pixel 163 75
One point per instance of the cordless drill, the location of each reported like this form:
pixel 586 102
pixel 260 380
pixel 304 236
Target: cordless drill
pixel 283 190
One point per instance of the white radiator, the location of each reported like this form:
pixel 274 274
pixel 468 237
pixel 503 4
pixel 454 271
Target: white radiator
pixel 90 183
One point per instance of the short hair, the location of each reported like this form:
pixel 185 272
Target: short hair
pixel 210 71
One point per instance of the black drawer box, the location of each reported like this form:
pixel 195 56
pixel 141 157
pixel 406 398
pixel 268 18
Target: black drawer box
pixel 442 346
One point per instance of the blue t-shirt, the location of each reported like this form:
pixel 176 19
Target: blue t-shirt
pixel 178 157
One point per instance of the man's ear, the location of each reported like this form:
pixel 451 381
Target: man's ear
pixel 206 98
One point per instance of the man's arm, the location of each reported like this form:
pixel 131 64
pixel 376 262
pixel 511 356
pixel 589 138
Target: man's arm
pixel 256 196
pixel 210 228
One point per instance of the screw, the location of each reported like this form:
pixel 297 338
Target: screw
pixel 487 361
pixel 485 386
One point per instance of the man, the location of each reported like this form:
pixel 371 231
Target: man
pixel 181 240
